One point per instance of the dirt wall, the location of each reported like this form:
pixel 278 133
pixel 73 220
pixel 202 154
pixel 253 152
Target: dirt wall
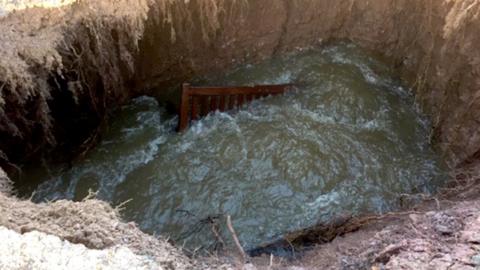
pixel 432 43
pixel 62 69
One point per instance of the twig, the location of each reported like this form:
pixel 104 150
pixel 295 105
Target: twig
pixel 235 238
pixel 32 195
pixel 213 226
pixel 121 206
pixel 91 195
pixel 291 246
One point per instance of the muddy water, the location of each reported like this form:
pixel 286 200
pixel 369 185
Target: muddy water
pixel 349 139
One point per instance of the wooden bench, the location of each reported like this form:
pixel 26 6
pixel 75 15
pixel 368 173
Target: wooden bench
pixel 197 102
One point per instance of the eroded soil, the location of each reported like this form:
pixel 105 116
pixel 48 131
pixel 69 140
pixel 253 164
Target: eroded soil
pixel 104 53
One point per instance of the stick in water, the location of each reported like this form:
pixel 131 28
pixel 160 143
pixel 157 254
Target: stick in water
pixel 235 238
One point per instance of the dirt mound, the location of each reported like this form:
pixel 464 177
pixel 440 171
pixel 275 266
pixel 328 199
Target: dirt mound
pixel 447 239
pixel 36 250
pixel 94 224
pixel 429 239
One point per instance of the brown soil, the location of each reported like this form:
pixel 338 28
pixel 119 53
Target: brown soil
pixel 439 233
pixel 60 66
pixel 431 42
pixel 61 69
pixel 437 239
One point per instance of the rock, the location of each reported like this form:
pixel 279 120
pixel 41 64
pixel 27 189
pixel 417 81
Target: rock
pixel 476 260
pixel 463 253
pixel 445 224
pixel 249 266
pixel 472 237
pixel 471 233
pixel 384 255
pixel 441 262
pixel 414 218
pixel 459 266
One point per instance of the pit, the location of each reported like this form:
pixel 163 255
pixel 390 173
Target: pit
pixel 359 132
pixel 348 138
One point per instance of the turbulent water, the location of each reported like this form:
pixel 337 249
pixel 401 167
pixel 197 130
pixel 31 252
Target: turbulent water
pixel 348 139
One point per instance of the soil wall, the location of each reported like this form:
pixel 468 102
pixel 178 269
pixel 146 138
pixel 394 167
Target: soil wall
pixel 61 69
pixel 432 43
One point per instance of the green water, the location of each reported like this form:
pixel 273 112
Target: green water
pixel 348 139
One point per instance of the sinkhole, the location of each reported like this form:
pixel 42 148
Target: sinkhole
pixel 348 139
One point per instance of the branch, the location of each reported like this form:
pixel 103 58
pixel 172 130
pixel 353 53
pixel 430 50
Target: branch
pixel 235 238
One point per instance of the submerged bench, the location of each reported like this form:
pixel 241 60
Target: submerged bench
pixel 197 102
